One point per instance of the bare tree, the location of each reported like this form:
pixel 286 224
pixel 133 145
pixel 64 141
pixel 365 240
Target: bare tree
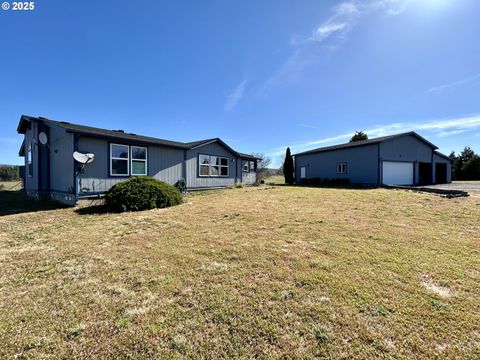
pixel 262 165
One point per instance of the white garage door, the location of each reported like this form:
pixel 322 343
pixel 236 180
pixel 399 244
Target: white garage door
pixel 397 173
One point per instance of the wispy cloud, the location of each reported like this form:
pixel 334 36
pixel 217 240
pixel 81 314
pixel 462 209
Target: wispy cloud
pixel 308 126
pixel 329 35
pixel 235 96
pixel 465 81
pixel 441 127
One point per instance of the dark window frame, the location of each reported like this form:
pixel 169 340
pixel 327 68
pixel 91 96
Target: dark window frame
pixel 341 168
pixel 30 161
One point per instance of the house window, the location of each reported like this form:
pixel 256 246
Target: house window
pixel 210 165
pixel 139 160
pixel 223 167
pixel 246 166
pixel 342 168
pixel 252 166
pixel 303 172
pixel 214 166
pixel 29 161
pixel 204 165
pixel 119 160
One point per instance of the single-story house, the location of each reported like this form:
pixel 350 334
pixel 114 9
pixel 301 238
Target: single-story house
pixel 402 159
pixel 105 157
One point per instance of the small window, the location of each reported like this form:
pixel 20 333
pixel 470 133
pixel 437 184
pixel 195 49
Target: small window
pixel 29 161
pixel 252 166
pixel 139 160
pixel 303 172
pixel 223 167
pixel 245 166
pixel 342 168
pixel 119 160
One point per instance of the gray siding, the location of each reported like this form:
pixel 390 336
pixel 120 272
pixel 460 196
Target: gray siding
pixel 248 178
pixel 163 163
pixel 194 181
pixel 406 148
pixel 362 164
pixel 31 182
pixel 61 160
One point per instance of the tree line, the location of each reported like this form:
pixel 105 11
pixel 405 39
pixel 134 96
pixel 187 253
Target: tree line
pixel 9 173
pixel 466 165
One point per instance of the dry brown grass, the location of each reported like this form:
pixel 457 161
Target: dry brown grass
pixel 277 272
pixel 10 185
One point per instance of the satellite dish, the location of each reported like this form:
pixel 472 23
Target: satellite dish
pixel 43 138
pixel 83 158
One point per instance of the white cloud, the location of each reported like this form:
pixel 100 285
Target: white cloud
pixel 329 35
pixel 440 88
pixel 308 126
pixel 235 96
pixel 441 127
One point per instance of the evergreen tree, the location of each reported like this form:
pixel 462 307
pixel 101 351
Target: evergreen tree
pixel 471 168
pixel 359 136
pixel 288 168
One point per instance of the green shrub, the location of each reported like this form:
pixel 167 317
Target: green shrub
pixel 141 193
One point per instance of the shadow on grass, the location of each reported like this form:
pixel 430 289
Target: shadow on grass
pixel 343 187
pixel 17 202
pixel 95 210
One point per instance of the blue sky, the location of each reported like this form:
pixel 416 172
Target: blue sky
pixel 262 75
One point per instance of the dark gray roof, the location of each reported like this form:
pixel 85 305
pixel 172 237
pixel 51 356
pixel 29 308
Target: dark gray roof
pixel 249 156
pixel 193 144
pixel 365 142
pixel 114 134
pixel 122 135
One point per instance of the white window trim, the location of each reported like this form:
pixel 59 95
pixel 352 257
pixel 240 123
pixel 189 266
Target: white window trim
pixel 210 165
pixel 204 165
pixel 343 168
pixel 117 158
pixel 29 160
pixel 144 160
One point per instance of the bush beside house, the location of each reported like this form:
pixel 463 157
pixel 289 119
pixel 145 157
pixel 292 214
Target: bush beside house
pixel 142 193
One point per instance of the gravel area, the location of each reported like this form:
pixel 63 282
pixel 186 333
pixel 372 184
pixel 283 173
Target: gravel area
pixel 472 187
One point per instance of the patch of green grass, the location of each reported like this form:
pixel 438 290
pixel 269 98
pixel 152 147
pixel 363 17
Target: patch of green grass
pixel 75 331
pixel 438 305
pixel 321 334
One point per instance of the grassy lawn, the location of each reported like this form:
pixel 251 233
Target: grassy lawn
pixel 276 179
pixel 253 272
